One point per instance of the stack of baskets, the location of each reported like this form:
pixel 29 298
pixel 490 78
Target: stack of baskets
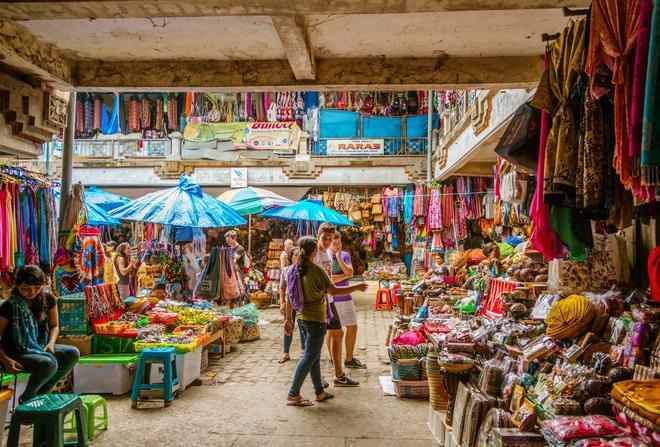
pixel 233 331
pixel 437 392
pixel 407 372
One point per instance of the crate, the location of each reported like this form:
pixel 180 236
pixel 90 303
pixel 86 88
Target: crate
pixel 102 344
pixel 104 374
pixel 437 425
pixel 411 388
pixel 205 360
pixel 73 318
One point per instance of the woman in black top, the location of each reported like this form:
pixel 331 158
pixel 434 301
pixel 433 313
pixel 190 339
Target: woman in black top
pixel 29 327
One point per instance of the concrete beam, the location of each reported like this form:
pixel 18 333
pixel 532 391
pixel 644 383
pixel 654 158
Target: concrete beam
pixel 331 74
pixel 293 34
pixel 81 9
pixel 23 52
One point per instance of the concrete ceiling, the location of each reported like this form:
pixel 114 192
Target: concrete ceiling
pixel 279 44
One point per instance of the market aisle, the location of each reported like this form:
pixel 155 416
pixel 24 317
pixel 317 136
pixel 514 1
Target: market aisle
pixel 244 404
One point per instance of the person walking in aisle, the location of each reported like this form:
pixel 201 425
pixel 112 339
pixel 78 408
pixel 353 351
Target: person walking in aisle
pixel 284 256
pixel 342 271
pixel 308 286
pixel 292 258
pixel 335 335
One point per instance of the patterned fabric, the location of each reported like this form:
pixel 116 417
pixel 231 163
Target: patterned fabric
pixel 590 182
pixel 651 131
pixel 554 96
pixel 27 336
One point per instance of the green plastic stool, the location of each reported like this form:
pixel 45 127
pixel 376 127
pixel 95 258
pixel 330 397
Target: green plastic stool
pixel 47 412
pixel 91 402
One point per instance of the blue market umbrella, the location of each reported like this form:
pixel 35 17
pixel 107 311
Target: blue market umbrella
pixel 252 200
pixel 104 199
pixel 97 216
pixel 307 210
pixel 183 206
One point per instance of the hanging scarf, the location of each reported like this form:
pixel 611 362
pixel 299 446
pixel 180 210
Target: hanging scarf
pixel 554 96
pixel 435 213
pixel 612 39
pixel 28 337
pixel 543 237
pixel 408 200
pixel 110 125
pixel 651 132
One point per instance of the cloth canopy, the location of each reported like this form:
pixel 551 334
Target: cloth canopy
pixel 97 216
pixel 307 210
pixel 253 200
pixel 104 199
pixel 184 206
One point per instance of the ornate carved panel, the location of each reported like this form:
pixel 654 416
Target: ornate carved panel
pixel 302 170
pixel 172 169
pixel 54 110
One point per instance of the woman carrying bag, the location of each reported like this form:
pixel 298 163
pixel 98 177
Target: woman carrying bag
pixel 307 287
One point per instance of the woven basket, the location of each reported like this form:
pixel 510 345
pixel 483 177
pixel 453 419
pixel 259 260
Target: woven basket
pixel 250 332
pixel 438 396
pixel 406 372
pixel 233 331
pixel 411 388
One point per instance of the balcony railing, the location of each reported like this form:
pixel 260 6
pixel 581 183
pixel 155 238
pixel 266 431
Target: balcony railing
pixel 116 148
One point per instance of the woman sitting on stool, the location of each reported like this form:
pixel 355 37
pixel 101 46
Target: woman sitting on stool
pixel 29 328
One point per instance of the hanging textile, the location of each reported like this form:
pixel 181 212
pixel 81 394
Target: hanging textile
pixel 554 96
pixel 90 260
pixel 110 125
pixel 650 160
pixel 408 200
pixel 612 39
pixel 98 104
pixel 419 202
pixel 435 212
pixel 89 115
pixel 230 278
pixel 543 237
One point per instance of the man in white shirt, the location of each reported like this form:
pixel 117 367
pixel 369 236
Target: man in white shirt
pixel 335 334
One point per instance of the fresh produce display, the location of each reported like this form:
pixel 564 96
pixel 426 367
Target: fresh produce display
pixel 194 317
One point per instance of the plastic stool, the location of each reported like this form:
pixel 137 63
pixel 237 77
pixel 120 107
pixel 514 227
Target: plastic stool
pixel 395 294
pixel 47 412
pixel 142 383
pixel 91 403
pixel 384 299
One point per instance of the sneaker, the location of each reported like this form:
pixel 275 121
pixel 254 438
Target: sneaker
pixel 331 365
pixel 325 384
pixel 345 381
pixel 355 364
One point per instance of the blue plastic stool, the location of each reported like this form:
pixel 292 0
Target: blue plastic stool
pixel 47 412
pixel 142 384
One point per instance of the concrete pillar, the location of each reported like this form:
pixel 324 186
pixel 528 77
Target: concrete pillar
pixel 429 136
pixel 177 142
pixel 67 154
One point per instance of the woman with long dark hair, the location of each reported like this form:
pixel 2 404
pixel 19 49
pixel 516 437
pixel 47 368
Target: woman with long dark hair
pixel 29 327
pixel 309 301
pixel 125 268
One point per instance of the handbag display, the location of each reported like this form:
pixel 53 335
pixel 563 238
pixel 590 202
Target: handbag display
pixel 377 209
pixel 519 143
pixel 377 198
pixel 343 201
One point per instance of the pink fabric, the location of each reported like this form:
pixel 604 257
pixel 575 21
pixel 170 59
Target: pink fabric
pixel 544 238
pixel 639 80
pixel 435 214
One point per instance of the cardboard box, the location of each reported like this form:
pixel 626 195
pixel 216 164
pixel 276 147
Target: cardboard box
pixel 82 342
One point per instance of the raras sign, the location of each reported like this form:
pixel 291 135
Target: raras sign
pixel 357 148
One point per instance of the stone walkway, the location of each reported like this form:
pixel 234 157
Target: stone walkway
pixel 244 403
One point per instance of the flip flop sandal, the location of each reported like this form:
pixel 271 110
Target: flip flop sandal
pixel 324 396
pixel 299 403
pixel 284 359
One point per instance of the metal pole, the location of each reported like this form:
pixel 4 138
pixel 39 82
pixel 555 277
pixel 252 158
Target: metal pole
pixel 250 234
pixel 429 134
pixel 67 154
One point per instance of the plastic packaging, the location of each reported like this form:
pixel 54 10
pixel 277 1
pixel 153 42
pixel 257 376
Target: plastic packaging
pixel 569 428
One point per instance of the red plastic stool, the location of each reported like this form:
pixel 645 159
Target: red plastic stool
pixel 395 294
pixel 383 299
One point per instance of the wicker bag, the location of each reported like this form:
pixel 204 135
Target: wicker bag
pixel 250 332
pixel 234 330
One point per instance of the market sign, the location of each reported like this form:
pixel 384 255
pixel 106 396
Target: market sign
pixel 356 147
pixel 239 178
pixel 272 136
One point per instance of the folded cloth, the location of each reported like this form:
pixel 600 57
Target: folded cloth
pixel 641 396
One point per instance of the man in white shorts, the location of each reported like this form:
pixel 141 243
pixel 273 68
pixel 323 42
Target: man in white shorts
pixel 342 268
pixel 334 337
